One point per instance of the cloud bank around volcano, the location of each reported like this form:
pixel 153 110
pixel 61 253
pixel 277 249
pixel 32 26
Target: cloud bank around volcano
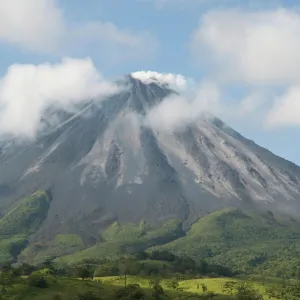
pixel 27 90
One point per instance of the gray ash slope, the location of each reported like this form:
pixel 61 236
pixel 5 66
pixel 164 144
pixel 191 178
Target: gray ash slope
pixel 102 165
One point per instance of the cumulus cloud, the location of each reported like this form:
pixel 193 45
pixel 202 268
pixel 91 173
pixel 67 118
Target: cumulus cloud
pixel 253 47
pixel 176 81
pixel 40 25
pixel 27 90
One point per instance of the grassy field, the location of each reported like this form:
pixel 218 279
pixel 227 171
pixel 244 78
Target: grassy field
pixel 187 286
pixel 68 289
pixel 64 288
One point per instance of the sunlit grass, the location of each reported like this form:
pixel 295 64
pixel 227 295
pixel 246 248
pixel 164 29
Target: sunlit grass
pixel 189 286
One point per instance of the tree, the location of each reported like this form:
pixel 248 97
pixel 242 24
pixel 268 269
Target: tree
pixel 184 264
pixel 142 255
pixel 5 280
pixel 84 273
pixel 287 290
pixel 129 266
pixel 204 287
pixel 47 264
pixel 246 292
pixel 203 267
pixel 173 284
pixel 6 267
pixel 153 282
pixel 229 287
pixel 107 270
pixel 274 293
pixel 162 255
pixel 124 268
pixel 157 288
pixel 178 276
pixel 26 269
pixel 37 280
pixel 130 292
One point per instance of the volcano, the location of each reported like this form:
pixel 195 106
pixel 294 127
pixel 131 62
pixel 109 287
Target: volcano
pixel 103 164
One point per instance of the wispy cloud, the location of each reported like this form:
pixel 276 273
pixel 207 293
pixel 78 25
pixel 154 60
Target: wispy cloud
pixel 106 39
pixel 177 111
pixel 203 101
pixel 187 4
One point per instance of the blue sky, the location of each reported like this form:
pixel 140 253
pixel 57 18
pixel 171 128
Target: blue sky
pixel 201 39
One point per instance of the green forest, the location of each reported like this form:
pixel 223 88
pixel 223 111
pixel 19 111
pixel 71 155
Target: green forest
pixel 228 254
pixel 159 275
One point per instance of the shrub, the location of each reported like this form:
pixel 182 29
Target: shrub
pixel 246 292
pixel 37 280
pixel 130 292
pixel 173 284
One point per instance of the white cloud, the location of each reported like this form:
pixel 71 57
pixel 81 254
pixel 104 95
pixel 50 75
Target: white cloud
pixel 251 104
pixel 26 90
pixel 35 24
pixel 286 109
pixel 253 47
pixel 204 101
pixel 176 81
pixel 177 111
pixel 41 25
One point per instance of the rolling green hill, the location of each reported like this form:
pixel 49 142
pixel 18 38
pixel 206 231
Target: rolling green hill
pixel 62 244
pixel 26 217
pixel 20 222
pixel 128 239
pixel 247 242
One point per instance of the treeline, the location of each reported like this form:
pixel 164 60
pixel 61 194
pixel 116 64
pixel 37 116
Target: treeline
pixel 49 276
pixel 156 263
pixel 39 281
pixel 46 281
